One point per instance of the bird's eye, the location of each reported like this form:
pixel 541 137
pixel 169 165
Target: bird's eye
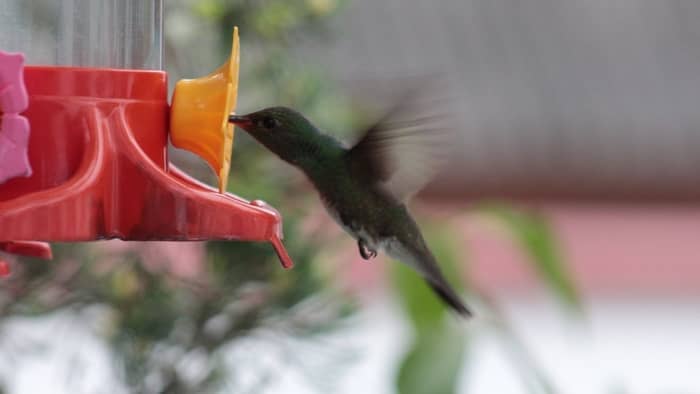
pixel 269 122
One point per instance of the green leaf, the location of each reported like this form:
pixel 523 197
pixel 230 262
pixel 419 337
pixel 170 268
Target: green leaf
pixel 433 363
pixel 534 235
pixel 212 9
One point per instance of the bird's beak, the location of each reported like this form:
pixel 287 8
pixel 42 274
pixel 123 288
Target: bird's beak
pixel 240 120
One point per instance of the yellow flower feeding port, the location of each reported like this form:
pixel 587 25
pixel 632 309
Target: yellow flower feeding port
pixel 199 114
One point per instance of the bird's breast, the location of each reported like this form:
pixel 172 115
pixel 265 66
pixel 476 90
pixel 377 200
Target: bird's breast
pixel 351 225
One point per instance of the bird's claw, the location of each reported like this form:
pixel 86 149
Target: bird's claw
pixel 365 251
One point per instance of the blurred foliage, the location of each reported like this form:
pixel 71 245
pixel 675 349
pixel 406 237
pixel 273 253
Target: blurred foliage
pixel 439 350
pixel 534 235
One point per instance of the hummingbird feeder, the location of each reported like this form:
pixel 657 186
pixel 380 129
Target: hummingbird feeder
pixel 84 127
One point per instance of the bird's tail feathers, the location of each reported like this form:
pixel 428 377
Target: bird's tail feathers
pixel 422 260
pixel 445 292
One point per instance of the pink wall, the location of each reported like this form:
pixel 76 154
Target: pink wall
pixel 612 249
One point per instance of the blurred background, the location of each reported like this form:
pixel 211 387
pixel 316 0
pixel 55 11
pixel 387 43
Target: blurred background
pixel 567 214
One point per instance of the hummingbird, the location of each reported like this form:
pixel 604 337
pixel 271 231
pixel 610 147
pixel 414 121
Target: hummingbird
pixel 363 187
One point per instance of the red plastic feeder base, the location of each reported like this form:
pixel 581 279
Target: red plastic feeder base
pixel 98 151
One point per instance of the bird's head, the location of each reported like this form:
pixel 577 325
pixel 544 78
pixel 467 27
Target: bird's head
pixel 285 132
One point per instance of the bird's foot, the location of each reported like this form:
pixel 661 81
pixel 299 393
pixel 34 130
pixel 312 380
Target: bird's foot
pixel 365 251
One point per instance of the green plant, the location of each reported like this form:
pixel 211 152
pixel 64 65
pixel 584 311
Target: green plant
pixel 440 346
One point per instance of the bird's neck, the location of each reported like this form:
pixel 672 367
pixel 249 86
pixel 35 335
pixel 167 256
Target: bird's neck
pixel 319 157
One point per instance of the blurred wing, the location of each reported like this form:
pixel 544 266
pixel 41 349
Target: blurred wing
pixel 406 148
